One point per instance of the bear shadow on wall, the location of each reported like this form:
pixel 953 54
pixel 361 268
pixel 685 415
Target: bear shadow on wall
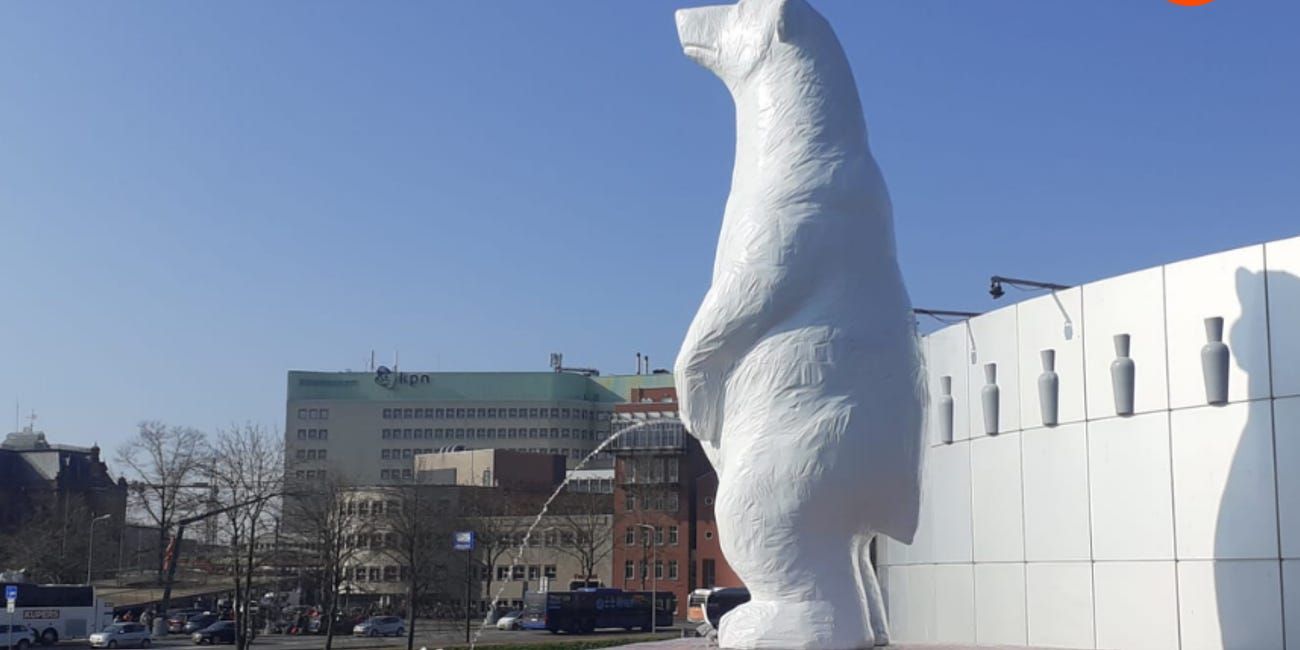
pixel 1239 613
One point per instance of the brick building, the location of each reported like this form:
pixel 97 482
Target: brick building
pixel 664 488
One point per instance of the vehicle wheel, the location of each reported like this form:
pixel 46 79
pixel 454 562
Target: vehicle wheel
pixel 374 632
pixel 401 632
pixel 112 644
pixel 145 643
pixel 49 637
pixel 22 644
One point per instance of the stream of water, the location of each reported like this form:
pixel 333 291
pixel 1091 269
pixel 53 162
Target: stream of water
pixel 528 534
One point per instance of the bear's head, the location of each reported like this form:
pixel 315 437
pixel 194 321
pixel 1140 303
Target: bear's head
pixel 734 41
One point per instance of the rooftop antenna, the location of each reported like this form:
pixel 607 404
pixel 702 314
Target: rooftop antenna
pixel 638 363
pixel 372 359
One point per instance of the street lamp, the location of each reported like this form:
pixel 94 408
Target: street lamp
pixel 654 578
pixel 90 554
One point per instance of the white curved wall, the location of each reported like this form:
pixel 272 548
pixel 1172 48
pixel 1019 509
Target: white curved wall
pixel 1175 527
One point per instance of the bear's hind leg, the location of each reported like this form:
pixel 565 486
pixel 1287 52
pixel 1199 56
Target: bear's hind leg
pixel 798 563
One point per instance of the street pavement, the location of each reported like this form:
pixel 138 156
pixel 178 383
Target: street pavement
pixel 434 637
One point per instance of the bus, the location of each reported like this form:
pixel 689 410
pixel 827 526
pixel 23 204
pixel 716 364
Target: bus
pixel 585 610
pixel 533 616
pixel 58 612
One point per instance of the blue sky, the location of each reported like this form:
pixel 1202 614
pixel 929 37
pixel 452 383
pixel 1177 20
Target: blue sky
pixel 197 197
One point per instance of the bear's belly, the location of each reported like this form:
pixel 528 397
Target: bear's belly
pixel 835 413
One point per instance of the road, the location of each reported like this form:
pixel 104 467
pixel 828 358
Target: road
pixel 438 637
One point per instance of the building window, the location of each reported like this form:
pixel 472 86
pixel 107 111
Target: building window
pixel 629 536
pixel 659 536
pixel 324 434
pixel 302 434
pixel 672 569
pixel 672 535
pixel 311 454
pixel 302 414
pixel 532 413
pixel 321 455
pixel 534 572
pixel 300 474
pixel 406 473
pixel 383 454
pixel 324 414
pixel 514 413
pixel 629 570
pixel 437 413
pixel 482 413
pixel 460 413
pixel 659 569
pixel 388 414
pixel 708 534
pixel 549 571
pixel 629 503
pixel 708 501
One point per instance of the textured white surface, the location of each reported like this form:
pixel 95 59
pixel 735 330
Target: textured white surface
pixel 800 373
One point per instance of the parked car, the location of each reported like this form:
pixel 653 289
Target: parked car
pixel 380 626
pixel 176 621
pixel 219 632
pixel 198 622
pixel 122 635
pixel 20 637
pixel 510 620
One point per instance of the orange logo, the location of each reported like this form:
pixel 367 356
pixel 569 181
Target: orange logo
pixel 1191 3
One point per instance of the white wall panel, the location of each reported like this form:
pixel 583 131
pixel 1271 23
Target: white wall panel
pixel 948 490
pixel 993 340
pixel 1291 601
pixel 1282 259
pixel 1286 423
pixel 1127 304
pixel 1000 604
pixel 1137 605
pixel 948 355
pixel 996 500
pixel 1228 285
pixel 954 603
pixel 1060 604
pixel 1055 463
pixel 1129 477
pixel 1055 322
pixel 1230 605
pixel 1224 505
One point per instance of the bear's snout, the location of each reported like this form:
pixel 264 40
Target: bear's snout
pixel 698 28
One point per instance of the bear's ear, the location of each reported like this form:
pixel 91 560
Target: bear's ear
pixel 788 15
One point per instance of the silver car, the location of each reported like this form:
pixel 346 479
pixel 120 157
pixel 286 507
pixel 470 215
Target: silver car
pixel 122 635
pixel 20 637
pixel 380 626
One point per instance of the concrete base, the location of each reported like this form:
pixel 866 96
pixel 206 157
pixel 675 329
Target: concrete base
pixel 698 643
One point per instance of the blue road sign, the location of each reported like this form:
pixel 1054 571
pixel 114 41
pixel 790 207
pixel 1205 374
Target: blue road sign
pixel 463 540
pixel 11 592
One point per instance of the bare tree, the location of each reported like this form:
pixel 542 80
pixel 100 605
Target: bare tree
pixel 248 470
pixel 496 517
pixel 52 543
pixel 418 524
pixel 162 464
pixel 330 524
pixel 584 521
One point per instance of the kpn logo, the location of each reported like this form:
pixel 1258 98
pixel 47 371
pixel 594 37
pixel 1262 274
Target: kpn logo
pixel 1191 3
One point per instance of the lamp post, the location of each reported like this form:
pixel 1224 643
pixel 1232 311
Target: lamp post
pixel 90 554
pixel 654 578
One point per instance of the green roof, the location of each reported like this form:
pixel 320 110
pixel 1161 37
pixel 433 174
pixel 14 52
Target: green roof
pixel 468 386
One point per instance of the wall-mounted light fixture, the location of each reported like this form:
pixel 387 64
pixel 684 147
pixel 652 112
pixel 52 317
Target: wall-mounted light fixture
pixel 996 282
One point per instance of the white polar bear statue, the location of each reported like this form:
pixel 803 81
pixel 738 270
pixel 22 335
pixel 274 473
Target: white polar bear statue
pixel 801 373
